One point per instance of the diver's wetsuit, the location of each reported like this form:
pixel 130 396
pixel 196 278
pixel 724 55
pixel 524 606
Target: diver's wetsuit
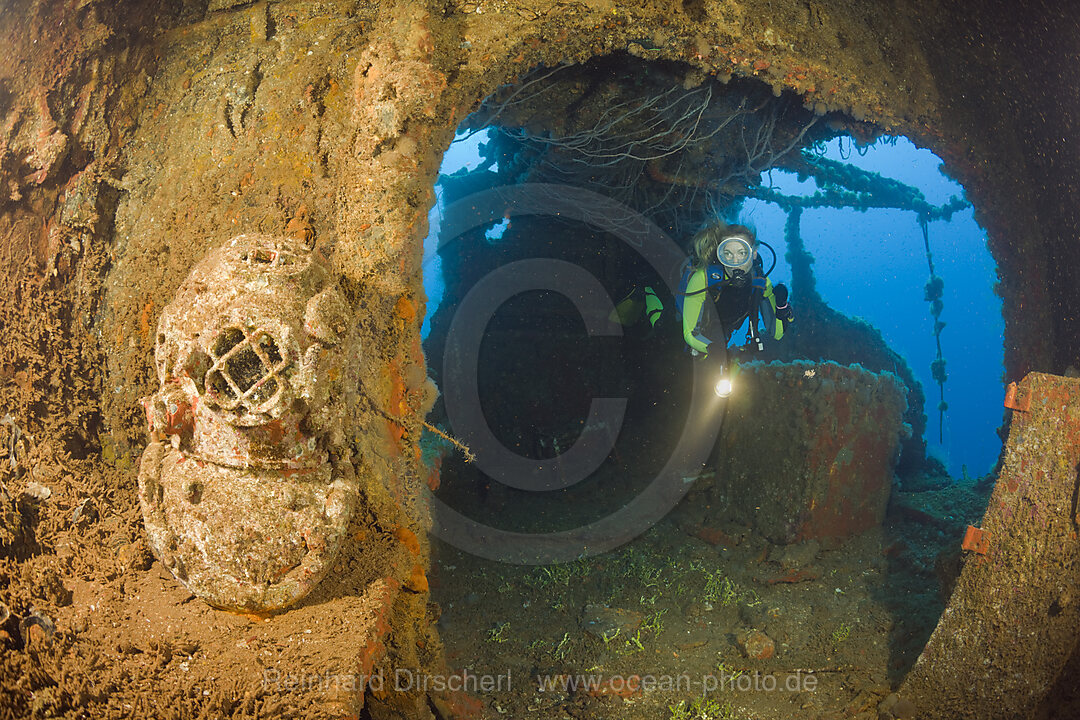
pixel 732 307
pixel 732 302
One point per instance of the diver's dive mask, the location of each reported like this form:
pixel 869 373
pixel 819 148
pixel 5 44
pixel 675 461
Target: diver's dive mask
pixel 734 251
pixel 736 254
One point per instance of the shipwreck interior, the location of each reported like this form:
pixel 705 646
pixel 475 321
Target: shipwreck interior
pixel 237 479
pixel 538 370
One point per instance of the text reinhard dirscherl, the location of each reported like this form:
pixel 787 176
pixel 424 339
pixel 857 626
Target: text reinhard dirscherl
pixel 404 680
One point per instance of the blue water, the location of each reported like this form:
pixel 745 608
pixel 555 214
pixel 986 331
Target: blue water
pixel 872 264
pixel 464 152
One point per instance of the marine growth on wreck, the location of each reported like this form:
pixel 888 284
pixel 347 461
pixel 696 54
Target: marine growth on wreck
pixel 236 480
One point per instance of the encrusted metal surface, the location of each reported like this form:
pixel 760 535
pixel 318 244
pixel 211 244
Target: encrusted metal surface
pixel 1011 625
pixel 246 487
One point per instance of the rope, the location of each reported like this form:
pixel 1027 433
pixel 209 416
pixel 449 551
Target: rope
pixel 469 456
pixel 934 290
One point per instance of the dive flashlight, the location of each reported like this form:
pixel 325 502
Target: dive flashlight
pixel 723 386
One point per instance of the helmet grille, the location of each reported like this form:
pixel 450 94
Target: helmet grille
pixel 245 370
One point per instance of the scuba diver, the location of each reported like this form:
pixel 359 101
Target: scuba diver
pixel 726 269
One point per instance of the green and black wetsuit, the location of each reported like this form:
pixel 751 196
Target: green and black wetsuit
pixel 734 304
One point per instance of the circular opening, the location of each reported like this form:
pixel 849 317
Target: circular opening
pixel 793 494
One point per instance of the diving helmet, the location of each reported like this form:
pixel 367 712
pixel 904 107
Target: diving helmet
pixel 247 487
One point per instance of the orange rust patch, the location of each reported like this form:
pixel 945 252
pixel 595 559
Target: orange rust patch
pixel 792 576
pixel 144 318
pixel 275 432
pixel 375 649
pixel 398 403
pixel 408 538
pixel 434 477
pixel 460 705
pixel 398 406
pixel 714 536
pixel 976 540
pixel 405 309
pixel 1013 401
pixel 417 581
pixel 758 645
pixel 299 227
pixel 293 472
pixel 618 686
pixel 418 352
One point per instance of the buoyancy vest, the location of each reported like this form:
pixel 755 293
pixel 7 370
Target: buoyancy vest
pixel 734 303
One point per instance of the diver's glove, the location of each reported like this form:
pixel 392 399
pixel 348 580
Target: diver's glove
pixel 783 309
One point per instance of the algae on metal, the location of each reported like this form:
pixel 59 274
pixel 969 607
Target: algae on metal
pixel 1014 616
